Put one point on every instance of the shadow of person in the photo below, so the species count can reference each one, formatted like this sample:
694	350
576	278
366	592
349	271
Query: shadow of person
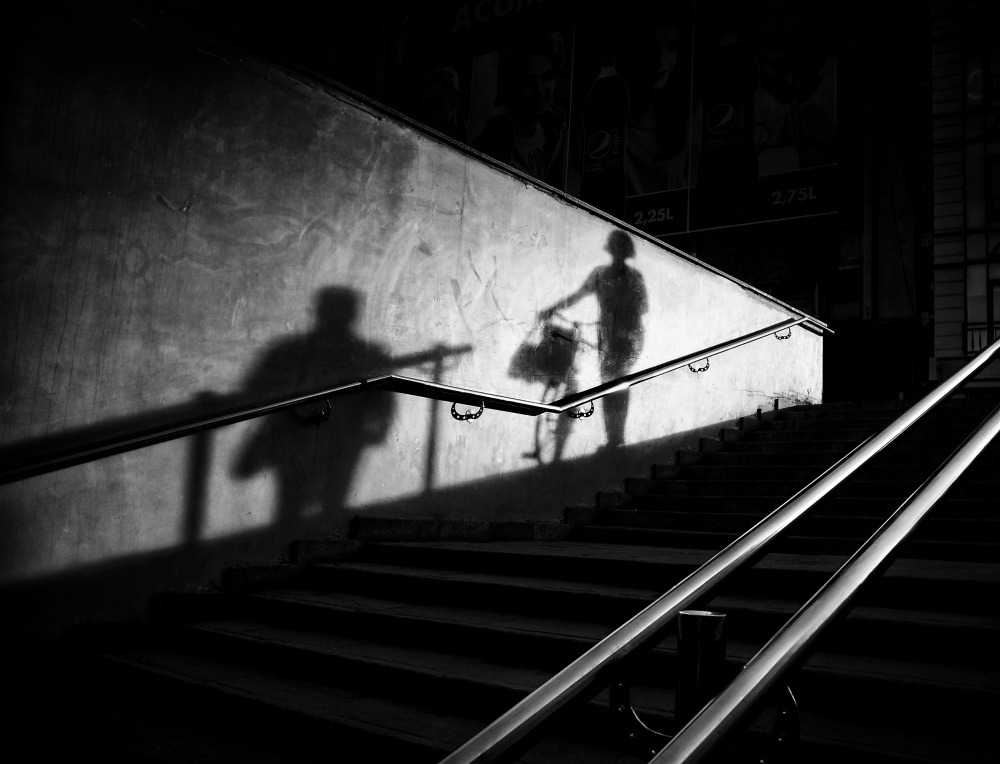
314	458
621	303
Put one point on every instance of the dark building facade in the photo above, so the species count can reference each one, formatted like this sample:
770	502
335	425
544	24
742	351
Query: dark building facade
802	148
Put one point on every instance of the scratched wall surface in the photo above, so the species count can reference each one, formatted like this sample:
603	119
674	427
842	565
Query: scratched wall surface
186	229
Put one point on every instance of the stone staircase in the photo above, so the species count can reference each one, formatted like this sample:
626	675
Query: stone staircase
402	642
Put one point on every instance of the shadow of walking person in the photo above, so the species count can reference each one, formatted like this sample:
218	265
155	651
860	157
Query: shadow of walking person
314	464
621	302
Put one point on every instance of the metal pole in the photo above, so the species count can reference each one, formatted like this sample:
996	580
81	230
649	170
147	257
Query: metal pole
701	658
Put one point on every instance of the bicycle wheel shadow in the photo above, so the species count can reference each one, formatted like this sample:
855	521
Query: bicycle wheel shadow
548	355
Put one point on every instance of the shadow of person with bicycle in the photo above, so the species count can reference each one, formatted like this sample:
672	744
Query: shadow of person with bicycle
621	303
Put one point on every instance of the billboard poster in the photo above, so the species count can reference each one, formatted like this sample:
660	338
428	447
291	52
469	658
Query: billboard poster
714	114
427	72
494	75
633	91
766	69
519	110
674	116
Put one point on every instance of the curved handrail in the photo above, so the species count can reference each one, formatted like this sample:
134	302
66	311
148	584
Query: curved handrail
586	672
530	408
790	644
391	382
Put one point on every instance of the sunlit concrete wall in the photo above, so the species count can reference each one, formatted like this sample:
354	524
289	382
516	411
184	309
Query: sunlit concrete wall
187	229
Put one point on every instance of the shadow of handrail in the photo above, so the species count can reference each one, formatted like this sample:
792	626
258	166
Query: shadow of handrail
392	382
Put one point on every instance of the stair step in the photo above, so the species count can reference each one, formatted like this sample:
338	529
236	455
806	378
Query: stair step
392	648
431	675
842	505
934	425
779	442
887	409
378	670
875	740
908	472
811	422
120	729
802	474
932	548
370	725
816	435
363	727
279	712
456	679
543	640
898	455
599	584
538	639
983	529
818	460
690	539
534	595
965	489
403	641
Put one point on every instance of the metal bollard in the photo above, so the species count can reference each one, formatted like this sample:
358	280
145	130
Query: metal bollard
701	657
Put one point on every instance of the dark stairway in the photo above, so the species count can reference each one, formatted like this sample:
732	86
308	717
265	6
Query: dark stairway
402	643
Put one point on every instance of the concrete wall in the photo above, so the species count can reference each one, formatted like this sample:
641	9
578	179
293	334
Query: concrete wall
187	229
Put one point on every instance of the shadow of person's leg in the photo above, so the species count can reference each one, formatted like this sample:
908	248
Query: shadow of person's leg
615	413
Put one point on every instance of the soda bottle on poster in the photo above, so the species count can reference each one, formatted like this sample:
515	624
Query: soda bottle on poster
605	118
727	169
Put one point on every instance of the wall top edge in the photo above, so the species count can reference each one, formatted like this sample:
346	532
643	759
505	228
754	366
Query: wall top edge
318	82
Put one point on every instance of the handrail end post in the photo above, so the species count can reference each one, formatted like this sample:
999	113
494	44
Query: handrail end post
701	658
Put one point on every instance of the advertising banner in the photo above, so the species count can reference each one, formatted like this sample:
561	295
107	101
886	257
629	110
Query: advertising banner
494	75
672	116
721	113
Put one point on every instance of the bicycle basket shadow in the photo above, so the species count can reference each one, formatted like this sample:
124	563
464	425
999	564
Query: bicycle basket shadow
546	353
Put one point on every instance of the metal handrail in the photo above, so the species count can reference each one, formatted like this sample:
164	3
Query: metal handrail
791	643
588	671
391	382
530	408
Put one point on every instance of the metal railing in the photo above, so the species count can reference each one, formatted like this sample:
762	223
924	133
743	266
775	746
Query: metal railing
791	643
590	671
15	471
